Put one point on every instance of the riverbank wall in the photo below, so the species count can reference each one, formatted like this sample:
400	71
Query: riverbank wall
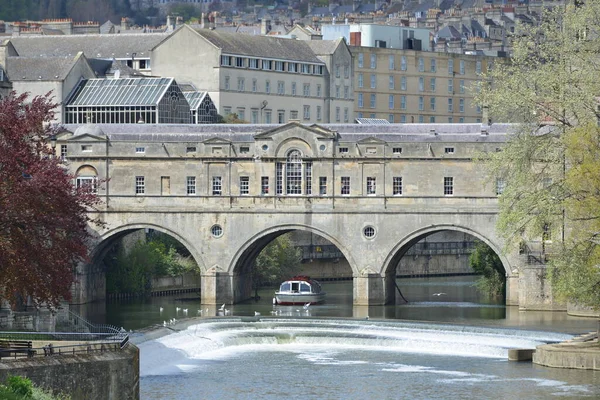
104	375
571	355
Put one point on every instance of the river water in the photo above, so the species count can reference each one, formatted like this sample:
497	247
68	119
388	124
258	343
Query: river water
450	346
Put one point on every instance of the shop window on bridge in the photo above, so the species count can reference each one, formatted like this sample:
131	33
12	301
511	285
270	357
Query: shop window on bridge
295	175
87	177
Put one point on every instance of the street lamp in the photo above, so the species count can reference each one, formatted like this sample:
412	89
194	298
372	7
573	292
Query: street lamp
53	144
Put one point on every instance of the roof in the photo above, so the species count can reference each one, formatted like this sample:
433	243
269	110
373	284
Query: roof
195	98
261	46
94	46
117	92
39	69
322	47
244	133
372	121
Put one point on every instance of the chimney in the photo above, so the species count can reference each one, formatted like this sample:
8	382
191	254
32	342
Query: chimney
124	25
265	26
204	23
169	22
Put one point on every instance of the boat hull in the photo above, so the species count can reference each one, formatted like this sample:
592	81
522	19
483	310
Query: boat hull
285	299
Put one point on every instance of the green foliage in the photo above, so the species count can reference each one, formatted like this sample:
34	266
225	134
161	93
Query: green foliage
276	262
230	119
20	386
551	165
185	11
486	262
132	271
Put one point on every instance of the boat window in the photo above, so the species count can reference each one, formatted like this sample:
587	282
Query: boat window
285	287
295	287
304	287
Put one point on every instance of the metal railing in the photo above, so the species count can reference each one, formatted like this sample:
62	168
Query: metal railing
77	324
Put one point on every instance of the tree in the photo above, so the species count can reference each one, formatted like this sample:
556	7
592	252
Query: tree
551	164
275	262
43	218
488	265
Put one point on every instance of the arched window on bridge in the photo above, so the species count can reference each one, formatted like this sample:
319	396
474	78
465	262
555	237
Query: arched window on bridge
294	177
87	176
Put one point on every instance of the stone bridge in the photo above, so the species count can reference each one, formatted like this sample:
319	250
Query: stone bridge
226	191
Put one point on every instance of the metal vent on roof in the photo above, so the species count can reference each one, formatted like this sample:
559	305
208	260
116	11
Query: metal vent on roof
372	121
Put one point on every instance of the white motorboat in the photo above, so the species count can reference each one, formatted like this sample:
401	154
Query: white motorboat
299	290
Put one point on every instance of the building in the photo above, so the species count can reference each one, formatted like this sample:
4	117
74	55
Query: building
384	36
261	79
408	86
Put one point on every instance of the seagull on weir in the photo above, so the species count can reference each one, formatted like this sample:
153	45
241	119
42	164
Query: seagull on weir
306	306
160	309
256	313
439	294
164	323
199	312
177	309
222	307
227	312
185	310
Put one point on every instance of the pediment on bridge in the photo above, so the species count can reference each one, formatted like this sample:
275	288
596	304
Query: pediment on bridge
295	128
372	140
217	140
87	137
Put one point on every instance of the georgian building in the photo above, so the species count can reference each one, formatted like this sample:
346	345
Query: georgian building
262	79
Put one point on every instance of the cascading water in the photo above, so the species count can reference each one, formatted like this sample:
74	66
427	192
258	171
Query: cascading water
273	357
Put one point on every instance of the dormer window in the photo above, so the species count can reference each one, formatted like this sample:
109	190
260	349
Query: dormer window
140	150
449	150
397	150
343	150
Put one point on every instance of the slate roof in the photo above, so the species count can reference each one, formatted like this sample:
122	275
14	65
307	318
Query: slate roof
449	32
94	46
392	133
39	69
261	46
323	47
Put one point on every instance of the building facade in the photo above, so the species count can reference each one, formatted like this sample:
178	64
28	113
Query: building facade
408	86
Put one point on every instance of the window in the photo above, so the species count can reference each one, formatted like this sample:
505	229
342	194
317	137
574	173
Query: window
226	110
308	177
402	83
397	186
226	60
432	103
191	185
244	185
461	120
461	86
448	186
450	67
461	67
500	185
292	67
322	185
421	103
373	81
140	150
371	185
360	100
293	173
306	89
346	91
450	105
391	62
421	84
226	84
268	86
403	102
190	149
391	102
403	63
337	114
280	117
451	86
421	63
337	91
86	148
450	120
478	67
346	71
244	149
343	150
372	100
254	85
402	119
140	185
433	66
293	114
360	60
90	182
432	84
305	68
239	62
337	70
432	119
268	117
391	82
373	61
360	80
280	87
391	118
254	63
63	152
320	92
217	186
461	105
266	65
318	113
397	150
306	112
421	119
278	65
293	88
254	116
241	86
449	150
345	186
264	185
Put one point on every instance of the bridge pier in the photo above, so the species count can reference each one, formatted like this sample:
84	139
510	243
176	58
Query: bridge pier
216	288
535	290
370	290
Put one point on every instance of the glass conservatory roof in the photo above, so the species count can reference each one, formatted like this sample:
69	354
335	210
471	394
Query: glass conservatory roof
120	92
194	98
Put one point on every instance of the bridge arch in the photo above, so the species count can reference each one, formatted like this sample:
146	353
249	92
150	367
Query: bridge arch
242	261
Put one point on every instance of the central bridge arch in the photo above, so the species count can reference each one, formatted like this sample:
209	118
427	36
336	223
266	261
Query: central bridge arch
242	261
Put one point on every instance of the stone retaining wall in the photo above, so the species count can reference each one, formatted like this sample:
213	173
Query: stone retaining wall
569	355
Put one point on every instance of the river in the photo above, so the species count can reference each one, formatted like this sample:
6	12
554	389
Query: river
450	346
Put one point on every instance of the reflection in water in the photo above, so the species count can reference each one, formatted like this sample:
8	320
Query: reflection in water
461	304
